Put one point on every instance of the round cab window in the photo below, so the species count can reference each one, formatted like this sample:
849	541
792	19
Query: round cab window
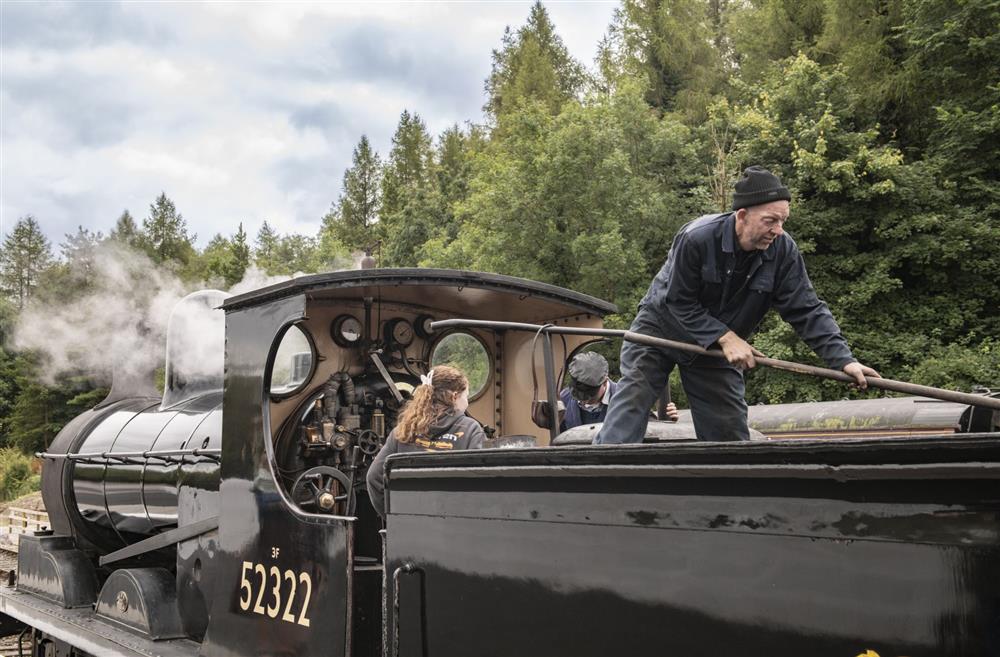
467	353
293	362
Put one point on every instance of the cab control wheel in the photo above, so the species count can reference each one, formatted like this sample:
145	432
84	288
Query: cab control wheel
324	489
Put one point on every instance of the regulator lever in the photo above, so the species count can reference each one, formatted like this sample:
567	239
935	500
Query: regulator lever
388	379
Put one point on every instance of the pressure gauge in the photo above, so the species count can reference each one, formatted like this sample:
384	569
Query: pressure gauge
422	325
346	331
399	332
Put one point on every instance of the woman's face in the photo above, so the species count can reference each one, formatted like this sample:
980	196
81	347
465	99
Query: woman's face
462	401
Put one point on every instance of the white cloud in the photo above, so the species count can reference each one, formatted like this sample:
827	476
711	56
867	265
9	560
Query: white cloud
238	111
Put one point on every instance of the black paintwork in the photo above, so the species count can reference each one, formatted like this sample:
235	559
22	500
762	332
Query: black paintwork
256	519
142	599
701	550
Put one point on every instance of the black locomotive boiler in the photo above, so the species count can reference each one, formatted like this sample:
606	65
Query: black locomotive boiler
228	517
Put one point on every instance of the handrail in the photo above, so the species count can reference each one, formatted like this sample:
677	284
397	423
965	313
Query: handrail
788	366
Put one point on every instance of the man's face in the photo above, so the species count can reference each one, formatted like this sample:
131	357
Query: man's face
594	401
759	225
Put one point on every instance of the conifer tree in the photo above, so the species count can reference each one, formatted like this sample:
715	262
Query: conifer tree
125	231
532	64
410	205
164	233
24	256
676	46
352	218
264	245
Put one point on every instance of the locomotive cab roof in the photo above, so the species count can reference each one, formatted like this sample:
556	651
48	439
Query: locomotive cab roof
460	293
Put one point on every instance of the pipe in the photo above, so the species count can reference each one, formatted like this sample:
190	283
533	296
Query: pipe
788	366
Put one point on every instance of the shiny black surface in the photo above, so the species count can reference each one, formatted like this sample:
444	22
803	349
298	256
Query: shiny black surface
257	526
601	551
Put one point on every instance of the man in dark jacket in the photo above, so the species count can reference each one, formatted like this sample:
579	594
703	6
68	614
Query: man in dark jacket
590	391
722	274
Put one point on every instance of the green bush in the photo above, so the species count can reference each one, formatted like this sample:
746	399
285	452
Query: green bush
16	476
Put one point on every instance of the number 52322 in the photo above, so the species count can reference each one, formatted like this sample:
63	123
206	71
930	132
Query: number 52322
272	586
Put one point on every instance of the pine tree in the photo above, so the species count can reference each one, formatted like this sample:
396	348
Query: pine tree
24	256
125	231
352	218
239	250
410	205
532	64
264	245
164	233
676	46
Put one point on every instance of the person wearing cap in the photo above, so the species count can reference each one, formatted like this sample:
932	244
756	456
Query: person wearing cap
590	390
721	276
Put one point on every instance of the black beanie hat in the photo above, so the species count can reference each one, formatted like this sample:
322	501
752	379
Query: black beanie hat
758	185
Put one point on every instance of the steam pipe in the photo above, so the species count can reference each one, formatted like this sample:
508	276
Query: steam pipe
788	366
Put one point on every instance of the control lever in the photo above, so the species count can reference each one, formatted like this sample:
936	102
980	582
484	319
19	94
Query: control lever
388	379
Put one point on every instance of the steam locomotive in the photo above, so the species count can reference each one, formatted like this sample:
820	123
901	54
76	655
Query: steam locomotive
228	516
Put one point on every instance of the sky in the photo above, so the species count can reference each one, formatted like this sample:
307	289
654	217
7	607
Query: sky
238	111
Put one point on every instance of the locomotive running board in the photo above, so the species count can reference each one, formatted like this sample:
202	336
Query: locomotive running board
82	629
163	540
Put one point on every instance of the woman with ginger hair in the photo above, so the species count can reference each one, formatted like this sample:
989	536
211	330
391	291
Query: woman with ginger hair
434	420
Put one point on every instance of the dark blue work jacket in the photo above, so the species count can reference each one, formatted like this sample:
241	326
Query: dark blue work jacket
575	415
692	295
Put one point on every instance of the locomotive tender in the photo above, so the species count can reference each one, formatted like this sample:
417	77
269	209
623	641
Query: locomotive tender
229	517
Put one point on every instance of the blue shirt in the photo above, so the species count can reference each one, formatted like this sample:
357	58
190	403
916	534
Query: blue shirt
692	293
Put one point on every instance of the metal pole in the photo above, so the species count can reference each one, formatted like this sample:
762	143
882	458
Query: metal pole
825	373
550	386
798	368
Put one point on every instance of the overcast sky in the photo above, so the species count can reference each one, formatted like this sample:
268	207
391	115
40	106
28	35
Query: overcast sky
239	111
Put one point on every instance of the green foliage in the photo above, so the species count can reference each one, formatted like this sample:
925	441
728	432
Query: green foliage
582	199
17	476
532	66
224	260
24	256
164	235
351	221
125	231
676	46
467	354
411	204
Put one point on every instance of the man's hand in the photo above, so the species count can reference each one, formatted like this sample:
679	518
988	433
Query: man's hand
859	372
737	350
672	414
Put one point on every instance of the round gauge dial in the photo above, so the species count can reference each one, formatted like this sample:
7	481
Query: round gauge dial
399	332
423	326
347	331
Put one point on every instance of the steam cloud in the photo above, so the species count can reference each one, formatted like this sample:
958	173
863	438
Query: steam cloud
119	326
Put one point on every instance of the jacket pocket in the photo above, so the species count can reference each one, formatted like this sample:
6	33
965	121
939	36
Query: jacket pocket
763	283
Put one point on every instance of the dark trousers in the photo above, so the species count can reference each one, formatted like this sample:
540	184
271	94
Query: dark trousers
716	394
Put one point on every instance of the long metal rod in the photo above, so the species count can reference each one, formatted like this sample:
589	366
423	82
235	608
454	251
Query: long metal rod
788	366
163	453
550	386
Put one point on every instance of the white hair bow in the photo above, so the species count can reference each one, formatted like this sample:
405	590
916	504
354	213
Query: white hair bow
427	379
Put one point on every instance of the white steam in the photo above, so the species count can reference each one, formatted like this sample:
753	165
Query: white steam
119	325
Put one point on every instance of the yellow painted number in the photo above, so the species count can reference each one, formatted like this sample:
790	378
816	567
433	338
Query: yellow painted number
273	578
245	586
307	581
273	611
258	608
